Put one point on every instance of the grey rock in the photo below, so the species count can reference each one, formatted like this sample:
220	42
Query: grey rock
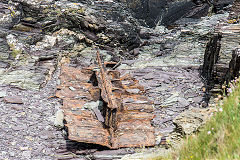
47	135
182	102
13	99
59	119
12	154
23	79
189	121
92	105
72	88
3	93
135	91
17	107
9	14
171	100
98	114
26	154
20	127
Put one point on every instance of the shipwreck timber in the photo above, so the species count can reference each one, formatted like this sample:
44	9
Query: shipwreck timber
105	108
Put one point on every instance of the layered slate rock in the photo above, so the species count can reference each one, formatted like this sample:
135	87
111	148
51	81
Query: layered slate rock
101	107
221	58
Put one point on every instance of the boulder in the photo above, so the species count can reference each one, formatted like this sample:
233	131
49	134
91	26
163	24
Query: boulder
190	120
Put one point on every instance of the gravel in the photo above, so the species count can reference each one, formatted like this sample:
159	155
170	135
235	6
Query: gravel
27	131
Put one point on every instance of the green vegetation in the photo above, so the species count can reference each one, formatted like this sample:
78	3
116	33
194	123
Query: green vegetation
220	137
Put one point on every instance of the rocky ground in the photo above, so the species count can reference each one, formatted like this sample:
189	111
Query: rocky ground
37	37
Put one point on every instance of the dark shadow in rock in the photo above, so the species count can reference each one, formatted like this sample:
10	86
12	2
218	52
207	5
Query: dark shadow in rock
80	147
75	146
221	5
176	11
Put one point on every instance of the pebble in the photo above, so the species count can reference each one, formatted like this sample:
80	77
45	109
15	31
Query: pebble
3	153
12	154
27	154
13	143
29	138
13	99
17	107
3	94
135	91
23	148
72	88
59	119
183	102
19	127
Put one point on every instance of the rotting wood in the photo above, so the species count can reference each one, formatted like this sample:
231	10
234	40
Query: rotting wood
234	66
102	110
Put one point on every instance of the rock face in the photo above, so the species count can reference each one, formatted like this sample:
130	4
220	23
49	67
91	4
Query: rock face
10	15
36	32
166	12
155	12
41	39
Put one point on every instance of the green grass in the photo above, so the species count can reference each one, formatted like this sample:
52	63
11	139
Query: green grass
219	138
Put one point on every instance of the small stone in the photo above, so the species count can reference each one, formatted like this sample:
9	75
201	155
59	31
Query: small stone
136	51
23	28
48	151
171	100
17	107
29	138
50	135
23	148
13	99
59	119
3	153
13	143
27	154
92	104
72	88
183	102
98	114
44	137
18	128
135	91
30	20
12	154
64	132
3	94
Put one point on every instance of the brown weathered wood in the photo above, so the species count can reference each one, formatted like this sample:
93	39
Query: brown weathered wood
106	86
124	120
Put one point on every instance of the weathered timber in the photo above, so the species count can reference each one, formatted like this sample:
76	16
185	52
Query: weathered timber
221	59
211	56
103	110
234	66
